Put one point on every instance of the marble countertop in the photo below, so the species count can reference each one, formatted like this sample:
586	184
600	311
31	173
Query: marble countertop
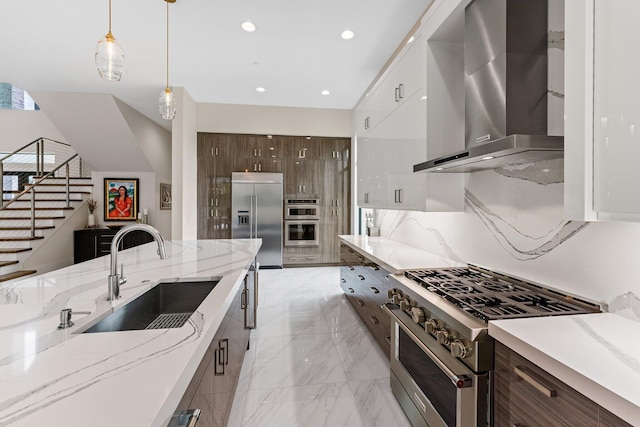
596	354
56	377
396	257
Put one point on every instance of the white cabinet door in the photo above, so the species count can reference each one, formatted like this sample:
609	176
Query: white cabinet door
390	89
369	113
616	108
413	71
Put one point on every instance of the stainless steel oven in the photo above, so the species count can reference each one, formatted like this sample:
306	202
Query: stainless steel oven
302	232
434	388
295	208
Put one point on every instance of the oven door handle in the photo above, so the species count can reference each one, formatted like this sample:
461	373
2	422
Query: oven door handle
460	381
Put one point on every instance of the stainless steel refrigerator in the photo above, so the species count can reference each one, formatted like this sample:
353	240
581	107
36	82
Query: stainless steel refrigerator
256	209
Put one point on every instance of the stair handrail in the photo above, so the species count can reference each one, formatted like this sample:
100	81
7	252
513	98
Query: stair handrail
39	142
32	189
30	143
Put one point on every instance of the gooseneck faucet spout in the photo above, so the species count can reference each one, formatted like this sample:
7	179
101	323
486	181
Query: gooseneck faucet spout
115	279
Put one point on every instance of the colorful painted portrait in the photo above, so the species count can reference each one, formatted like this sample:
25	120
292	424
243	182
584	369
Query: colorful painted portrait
121	199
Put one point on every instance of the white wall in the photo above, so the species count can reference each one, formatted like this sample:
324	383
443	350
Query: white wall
19	127
254	119
184	137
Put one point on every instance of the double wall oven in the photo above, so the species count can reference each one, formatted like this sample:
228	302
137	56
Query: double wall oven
441	353
301	221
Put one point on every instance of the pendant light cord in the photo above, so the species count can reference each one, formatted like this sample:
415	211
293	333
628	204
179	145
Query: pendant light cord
167	44
109	16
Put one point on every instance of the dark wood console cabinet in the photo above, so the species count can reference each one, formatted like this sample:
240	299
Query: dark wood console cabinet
92	243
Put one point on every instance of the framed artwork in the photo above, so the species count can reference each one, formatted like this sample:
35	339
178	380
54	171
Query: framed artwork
165	196
121	199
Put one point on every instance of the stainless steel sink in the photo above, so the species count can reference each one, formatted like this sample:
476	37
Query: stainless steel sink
169	304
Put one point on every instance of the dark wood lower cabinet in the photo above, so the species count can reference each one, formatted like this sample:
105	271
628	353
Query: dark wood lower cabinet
366	286
92	243
214	384
527	396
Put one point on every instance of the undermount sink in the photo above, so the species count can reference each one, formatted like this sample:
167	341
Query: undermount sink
169	304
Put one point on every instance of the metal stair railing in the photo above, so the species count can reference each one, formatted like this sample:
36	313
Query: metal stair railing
21	159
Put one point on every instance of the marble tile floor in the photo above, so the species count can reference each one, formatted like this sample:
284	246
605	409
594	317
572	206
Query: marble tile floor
311	361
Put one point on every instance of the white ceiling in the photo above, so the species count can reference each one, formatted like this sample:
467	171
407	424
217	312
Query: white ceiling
295	53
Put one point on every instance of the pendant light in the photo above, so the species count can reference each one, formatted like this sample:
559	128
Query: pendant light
167	101
109	56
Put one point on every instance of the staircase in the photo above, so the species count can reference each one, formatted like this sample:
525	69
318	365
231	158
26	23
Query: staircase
24	225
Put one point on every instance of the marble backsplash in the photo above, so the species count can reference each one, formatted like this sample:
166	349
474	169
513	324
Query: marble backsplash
514	224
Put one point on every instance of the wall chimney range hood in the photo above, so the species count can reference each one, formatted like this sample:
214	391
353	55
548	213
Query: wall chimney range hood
506	66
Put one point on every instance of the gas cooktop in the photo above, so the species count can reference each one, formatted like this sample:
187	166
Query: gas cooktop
490	296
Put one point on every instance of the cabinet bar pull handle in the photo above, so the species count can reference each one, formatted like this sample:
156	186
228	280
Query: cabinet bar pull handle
217	357
388	339
351	290
343	280
400	195
374	319
538	386
401	91
396	94
351	268
361	303
375	290
360	276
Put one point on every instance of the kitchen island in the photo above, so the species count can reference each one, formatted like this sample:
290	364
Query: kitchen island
58	377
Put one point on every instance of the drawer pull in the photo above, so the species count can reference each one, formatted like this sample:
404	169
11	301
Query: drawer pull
351	290
388	339
541	388
360	276
374	319
375	290
343	280
361	303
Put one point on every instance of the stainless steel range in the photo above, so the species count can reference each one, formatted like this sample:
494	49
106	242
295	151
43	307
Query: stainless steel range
441	353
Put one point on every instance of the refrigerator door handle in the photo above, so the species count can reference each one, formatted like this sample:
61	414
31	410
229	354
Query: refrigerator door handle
255	222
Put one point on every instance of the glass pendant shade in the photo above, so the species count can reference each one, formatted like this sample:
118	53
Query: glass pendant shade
167	104
109	58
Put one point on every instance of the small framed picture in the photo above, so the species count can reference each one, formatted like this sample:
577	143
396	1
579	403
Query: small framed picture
121	199
165	196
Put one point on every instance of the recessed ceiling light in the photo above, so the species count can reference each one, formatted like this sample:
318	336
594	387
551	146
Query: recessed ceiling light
347	34
325	92
260	89
248	26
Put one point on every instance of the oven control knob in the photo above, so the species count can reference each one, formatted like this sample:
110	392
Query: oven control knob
396	299
405	304
391	293
458	349
431	326
443	336
417	314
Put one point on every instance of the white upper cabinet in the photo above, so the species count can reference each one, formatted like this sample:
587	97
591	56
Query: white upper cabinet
602	140
422	105
369	114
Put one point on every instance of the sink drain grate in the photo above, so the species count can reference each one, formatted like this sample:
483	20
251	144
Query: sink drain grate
171	320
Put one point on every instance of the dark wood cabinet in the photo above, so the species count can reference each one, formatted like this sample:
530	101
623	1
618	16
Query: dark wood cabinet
527	396
214	383
312	167
366	286
92	243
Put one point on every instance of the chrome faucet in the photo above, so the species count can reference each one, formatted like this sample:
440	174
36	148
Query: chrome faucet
115	279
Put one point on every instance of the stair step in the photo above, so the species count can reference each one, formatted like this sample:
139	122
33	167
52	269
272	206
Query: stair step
16	274
13	250
41	227
15	218
7	263
54	184
38	209
20	239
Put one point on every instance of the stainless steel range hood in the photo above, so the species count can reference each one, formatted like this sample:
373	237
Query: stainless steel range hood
506	66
